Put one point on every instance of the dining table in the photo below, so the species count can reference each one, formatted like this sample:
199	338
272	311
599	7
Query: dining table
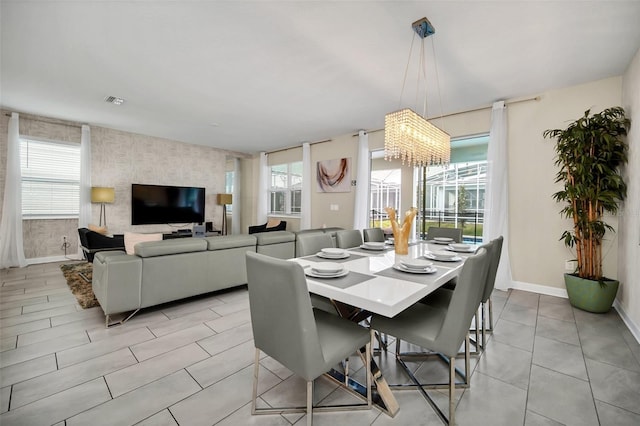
373	280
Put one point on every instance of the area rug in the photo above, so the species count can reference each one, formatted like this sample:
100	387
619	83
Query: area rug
80	287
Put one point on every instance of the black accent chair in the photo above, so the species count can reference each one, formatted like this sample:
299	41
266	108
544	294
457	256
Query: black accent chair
282	226
92	242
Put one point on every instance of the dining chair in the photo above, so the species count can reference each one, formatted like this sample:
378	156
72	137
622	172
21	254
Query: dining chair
348	238
442	296
373	234
308	244
286	328
453	233
441	330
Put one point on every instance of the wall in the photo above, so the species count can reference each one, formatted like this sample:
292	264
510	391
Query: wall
629	228
118	160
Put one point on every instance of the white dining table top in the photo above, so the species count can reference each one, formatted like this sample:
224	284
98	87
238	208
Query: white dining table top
384	295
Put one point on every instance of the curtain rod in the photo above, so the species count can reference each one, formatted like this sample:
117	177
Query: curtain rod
297	146
47	120
517	101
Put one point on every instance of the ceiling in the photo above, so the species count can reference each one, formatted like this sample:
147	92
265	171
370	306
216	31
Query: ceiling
249	76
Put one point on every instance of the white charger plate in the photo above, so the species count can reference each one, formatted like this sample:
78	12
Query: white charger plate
333	256
402	268
443	259
365	247
309	272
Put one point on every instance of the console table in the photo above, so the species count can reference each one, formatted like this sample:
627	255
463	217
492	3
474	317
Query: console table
173	235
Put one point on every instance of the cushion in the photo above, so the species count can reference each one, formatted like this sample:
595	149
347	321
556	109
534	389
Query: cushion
99	229
272	223
132	238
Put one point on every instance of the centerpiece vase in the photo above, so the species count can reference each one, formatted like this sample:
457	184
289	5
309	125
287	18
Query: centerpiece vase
401	232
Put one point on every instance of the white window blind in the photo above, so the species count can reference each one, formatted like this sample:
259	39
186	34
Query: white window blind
285	190
50	178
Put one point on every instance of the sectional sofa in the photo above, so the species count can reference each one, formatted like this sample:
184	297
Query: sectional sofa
168	270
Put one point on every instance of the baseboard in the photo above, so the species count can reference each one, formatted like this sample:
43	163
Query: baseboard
633	327
51	259
540	289
561	292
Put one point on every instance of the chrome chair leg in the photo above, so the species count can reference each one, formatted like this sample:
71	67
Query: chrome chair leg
452	391
310	403
256	369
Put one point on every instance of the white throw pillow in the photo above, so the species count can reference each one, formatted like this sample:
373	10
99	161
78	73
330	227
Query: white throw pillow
132	238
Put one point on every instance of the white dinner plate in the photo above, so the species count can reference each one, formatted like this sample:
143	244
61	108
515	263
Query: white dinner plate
327	268
416	263
468	249
442	259
402	268
366	247
331	251
443	240
309	272
333	256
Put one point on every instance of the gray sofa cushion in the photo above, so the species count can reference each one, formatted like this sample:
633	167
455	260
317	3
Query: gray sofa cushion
166	247
274	237
230	241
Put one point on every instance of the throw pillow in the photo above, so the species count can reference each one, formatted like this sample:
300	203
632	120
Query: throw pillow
132	238
99	229
272	223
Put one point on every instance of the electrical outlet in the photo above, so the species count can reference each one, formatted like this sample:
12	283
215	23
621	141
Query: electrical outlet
569	265
64	238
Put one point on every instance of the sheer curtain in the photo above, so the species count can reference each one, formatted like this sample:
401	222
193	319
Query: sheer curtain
262	209
84	212
305	209
496	211
237	205
11	244
361	209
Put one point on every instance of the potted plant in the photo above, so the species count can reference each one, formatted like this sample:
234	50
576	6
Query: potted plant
590	152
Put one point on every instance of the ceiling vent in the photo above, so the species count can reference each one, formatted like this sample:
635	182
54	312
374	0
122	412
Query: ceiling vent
114	100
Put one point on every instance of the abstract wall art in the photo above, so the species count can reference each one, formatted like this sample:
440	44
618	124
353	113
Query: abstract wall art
334	175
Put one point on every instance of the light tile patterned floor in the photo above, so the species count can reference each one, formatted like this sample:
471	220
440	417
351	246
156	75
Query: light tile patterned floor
189	363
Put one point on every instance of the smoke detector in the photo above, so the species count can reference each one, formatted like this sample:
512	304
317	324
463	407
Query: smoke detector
114	100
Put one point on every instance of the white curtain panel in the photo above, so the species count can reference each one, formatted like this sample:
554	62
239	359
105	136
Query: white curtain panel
262	209
84	212
11	244
237	203
305	213
496	212
361	209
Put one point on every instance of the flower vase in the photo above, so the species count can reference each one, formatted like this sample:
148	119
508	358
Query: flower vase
401	242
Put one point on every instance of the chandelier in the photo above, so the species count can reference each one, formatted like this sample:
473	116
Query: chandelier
408	135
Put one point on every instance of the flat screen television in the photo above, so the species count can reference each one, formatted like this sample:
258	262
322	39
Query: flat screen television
158	204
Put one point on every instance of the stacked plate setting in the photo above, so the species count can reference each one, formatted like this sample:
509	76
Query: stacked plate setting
373	245
333	253
443	256
461	248
326	270
415	266
443	240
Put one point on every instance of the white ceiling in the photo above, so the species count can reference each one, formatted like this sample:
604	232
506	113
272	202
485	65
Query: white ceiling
259	75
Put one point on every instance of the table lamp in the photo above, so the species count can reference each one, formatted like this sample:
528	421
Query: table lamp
224	199
102	195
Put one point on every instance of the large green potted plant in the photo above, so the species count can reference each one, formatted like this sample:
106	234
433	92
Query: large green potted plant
590	152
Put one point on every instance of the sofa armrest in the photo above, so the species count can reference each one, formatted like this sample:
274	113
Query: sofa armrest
117	280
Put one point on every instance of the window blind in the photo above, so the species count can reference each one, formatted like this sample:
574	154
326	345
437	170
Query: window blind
50	178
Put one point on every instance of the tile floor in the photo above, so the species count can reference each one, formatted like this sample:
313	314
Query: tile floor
189	363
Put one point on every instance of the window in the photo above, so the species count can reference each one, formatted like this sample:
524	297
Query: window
285	190
50	179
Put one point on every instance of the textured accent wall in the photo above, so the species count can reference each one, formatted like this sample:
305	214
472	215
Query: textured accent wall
118	159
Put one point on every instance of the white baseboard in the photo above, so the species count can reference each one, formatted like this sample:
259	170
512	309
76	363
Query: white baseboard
633	327
38	260
540	289
561	292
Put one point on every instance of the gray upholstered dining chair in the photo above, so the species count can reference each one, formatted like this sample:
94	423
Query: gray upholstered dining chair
286	328
442	296
373	234
453	233
348	238
441	329
308	244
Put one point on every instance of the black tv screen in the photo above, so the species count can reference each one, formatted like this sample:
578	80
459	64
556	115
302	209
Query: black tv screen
157	204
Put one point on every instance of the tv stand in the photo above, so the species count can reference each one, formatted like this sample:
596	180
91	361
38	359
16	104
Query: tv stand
188	234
